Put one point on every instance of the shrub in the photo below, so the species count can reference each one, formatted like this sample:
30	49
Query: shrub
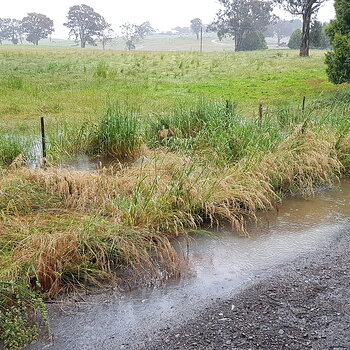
338	60
295	40
253	41
18	311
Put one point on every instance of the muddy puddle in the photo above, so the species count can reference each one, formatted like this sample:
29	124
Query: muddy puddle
79	163
219	266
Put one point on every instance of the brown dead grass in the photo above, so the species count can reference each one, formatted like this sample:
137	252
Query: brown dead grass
61	225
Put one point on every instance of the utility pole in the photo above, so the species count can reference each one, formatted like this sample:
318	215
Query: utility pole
201	44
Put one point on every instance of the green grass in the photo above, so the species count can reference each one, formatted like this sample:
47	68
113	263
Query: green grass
76	85
117	134
13	146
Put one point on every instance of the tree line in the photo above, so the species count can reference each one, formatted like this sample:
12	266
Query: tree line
85	25
243	20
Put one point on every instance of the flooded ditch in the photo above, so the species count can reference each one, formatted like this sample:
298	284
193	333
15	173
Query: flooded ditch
218	266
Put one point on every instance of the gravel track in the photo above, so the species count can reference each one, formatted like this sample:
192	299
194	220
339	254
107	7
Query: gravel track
302	305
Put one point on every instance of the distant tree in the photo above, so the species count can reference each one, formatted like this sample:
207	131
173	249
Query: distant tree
85	24
295	40
196	25
306	9
145	29
282	29
14	30
239	17
36	26
3	32
253	41
182	30
106	36
338	62
326	44
318	36
132	33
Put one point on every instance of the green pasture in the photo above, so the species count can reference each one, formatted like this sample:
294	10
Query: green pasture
74	84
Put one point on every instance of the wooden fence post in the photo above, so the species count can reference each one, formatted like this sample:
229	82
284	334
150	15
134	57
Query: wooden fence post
43	139
260	113
303	105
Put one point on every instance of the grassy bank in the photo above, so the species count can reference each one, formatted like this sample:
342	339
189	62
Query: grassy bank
200	163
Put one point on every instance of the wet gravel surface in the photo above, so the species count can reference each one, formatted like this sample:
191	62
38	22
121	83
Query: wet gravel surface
302	305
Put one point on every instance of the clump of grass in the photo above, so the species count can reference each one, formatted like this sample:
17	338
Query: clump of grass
288	116
79	249
102	70
118	134
343	151
66	140
301	162
15	82
180	129
12	146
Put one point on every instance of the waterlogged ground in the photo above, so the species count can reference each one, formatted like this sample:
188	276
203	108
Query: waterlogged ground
305	305
196	312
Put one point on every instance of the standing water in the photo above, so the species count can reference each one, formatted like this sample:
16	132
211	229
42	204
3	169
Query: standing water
219	266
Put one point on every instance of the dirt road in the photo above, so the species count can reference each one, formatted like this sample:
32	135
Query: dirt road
304	305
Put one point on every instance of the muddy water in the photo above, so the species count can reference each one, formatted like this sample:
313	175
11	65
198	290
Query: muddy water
79	163
219	266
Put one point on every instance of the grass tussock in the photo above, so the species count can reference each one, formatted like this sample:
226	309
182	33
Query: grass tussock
301	162
11	147
117	135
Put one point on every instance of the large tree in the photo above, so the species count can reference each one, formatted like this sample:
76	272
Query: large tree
238	17
85	24
307	9
37	26
14	30
338	60
196	26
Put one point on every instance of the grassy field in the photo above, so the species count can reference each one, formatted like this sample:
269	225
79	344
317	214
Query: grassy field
188	147
74	85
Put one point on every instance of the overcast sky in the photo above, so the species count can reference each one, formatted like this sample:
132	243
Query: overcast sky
163	14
